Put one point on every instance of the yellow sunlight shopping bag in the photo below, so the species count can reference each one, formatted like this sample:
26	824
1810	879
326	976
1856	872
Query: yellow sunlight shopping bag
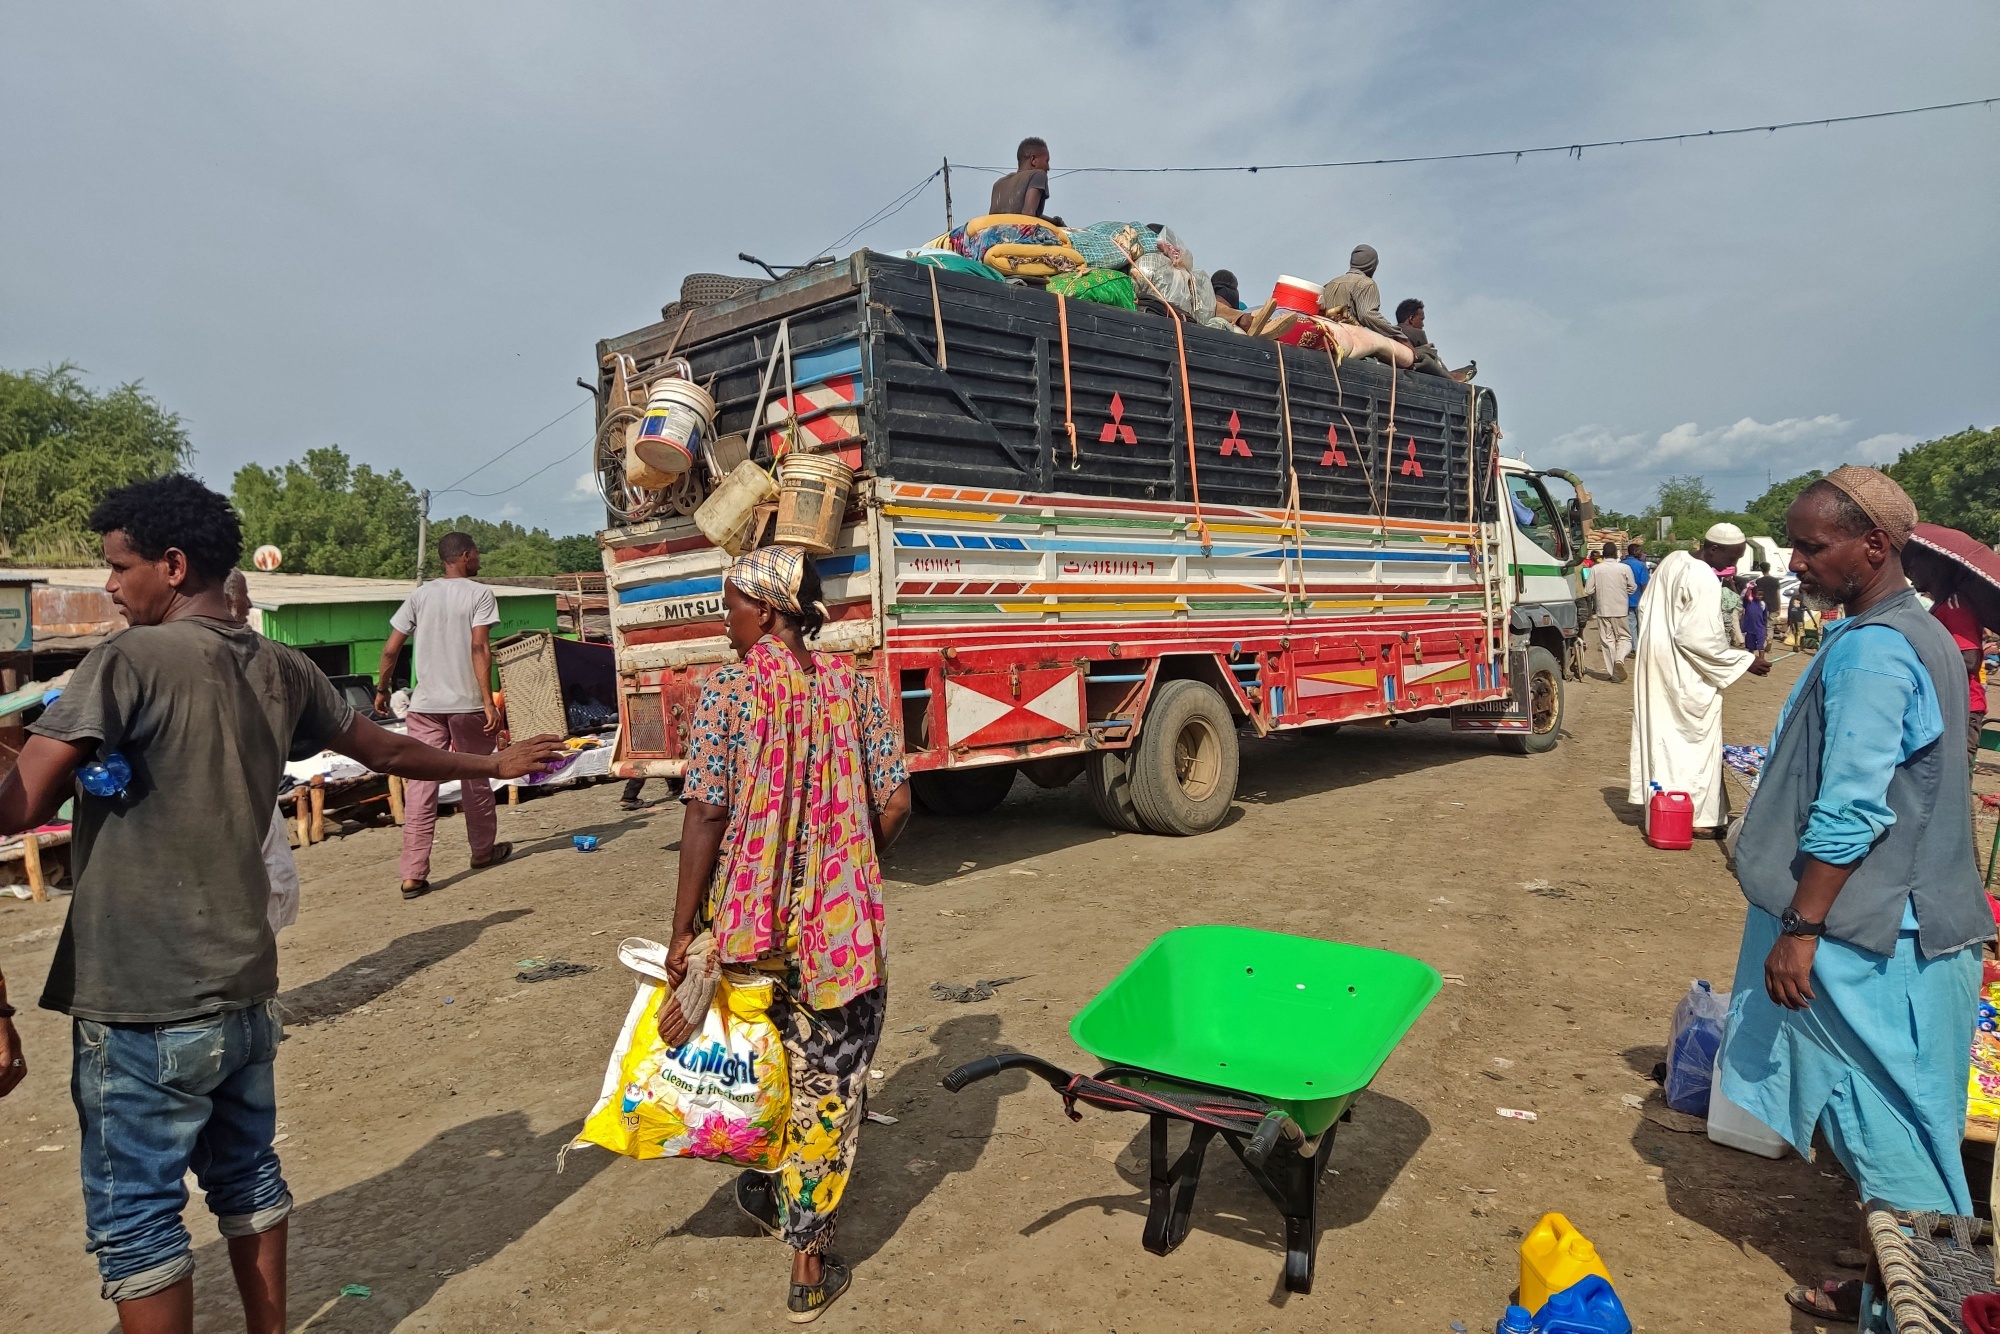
723	1094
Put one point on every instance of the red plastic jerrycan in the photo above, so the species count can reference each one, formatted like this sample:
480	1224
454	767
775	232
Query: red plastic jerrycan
1670	821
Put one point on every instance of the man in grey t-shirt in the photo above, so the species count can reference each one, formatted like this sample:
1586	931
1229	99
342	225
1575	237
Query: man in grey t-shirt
167	963
452	709
1025	190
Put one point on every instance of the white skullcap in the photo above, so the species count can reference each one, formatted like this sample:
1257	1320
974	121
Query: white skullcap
1725	535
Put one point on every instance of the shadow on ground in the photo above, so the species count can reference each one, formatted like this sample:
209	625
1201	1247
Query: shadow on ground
372	975
1369	1153
897	1167
448	1207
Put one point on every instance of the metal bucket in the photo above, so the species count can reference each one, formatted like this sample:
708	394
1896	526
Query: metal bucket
812	501
725	518
679	413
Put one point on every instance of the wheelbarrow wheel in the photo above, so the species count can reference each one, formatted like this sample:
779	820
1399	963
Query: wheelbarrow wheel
962	791
1108	779
1184	765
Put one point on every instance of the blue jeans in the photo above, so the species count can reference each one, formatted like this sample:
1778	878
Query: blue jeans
1632	623
156	1100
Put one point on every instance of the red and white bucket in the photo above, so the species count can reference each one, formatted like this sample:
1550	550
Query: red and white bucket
1296	294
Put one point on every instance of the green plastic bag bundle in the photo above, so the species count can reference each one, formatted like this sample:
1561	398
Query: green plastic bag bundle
1106	287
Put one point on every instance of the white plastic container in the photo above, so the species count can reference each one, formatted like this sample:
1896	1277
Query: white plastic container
1730	1125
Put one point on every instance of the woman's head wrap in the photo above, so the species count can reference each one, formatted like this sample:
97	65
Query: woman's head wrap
771	575
1877	495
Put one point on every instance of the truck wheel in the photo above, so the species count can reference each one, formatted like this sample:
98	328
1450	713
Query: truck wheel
1108	779
962	791
1545	706
1184	766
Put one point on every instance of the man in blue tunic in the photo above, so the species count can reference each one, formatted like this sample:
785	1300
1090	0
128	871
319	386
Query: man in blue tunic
1857	984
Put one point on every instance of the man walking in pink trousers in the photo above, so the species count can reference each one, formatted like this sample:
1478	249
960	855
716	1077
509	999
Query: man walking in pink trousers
452	708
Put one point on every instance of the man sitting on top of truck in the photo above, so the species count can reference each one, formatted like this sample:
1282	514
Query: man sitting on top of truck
1410	325
1355	293
1025	190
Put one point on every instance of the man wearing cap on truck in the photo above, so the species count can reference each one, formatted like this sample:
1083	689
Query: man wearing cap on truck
1681	665
1857	982
1355	293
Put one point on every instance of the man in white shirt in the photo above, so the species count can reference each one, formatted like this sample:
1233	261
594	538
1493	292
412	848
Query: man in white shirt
1612	586
452	707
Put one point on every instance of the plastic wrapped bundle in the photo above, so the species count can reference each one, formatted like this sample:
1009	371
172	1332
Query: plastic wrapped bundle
1111	245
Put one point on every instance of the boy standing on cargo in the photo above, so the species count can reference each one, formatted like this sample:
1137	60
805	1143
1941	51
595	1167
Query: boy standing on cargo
452	709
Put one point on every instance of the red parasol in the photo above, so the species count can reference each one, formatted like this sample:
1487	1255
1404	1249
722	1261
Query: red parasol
1979	563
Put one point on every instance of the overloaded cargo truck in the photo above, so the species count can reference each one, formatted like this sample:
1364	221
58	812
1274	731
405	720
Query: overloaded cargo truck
1094	543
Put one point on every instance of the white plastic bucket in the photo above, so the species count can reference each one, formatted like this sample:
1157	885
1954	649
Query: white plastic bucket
678	414
725	517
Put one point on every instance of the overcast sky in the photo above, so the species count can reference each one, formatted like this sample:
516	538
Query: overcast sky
402	227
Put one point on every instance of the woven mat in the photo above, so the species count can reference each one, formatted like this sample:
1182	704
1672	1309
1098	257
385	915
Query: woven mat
1930	1264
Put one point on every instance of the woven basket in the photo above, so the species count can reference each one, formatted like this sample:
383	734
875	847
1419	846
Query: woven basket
528	676
1930	1264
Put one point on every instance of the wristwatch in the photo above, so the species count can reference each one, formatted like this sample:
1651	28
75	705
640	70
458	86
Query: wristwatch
1792	924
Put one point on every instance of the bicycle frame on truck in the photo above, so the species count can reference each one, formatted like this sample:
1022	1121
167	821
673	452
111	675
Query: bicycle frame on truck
1093	539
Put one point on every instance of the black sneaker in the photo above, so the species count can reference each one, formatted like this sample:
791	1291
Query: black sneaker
809	1301
755	1198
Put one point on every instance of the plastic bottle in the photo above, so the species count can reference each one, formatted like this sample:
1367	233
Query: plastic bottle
108	777
1589	1307
1555	1256
1516	1321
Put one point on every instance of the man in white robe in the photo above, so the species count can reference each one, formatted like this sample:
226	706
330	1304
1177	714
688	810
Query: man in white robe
1680	667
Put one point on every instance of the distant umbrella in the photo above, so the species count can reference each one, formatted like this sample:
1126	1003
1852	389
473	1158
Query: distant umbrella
1977	563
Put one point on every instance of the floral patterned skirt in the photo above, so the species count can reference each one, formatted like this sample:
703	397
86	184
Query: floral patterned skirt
829	1052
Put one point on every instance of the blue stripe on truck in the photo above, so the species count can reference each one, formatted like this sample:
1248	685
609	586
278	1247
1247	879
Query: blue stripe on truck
829	566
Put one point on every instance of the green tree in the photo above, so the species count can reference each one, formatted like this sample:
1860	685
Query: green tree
1769	508
1688	500
506	548
1955	481
62	446
330	516
579	551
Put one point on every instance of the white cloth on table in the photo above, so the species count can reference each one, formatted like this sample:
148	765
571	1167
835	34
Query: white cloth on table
1680	667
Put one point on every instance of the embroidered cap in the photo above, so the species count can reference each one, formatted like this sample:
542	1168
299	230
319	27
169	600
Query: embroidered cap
1887	505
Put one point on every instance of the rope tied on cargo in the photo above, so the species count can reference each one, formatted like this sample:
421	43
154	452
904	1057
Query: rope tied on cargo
1389	457
1294	521
1187	410
1069	412
1360	452
937	319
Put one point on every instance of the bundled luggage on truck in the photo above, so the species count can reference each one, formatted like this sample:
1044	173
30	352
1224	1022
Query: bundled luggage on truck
1087	542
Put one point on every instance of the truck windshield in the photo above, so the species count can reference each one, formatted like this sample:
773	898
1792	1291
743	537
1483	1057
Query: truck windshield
1533	513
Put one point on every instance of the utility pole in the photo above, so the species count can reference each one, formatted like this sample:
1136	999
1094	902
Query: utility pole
423	528
947	195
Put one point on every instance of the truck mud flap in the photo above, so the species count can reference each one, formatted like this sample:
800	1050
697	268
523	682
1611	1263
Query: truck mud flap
1510	713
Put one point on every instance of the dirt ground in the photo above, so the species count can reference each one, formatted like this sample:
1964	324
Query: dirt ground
425	1091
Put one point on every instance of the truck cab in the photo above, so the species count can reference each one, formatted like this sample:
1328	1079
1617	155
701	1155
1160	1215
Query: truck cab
1542	549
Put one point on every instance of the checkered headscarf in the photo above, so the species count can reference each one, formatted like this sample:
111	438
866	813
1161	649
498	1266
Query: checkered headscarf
771	575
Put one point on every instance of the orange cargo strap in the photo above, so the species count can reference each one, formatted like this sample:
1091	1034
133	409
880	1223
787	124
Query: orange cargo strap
1292	515
1069	413
1187	410
1353	438
937	319
1388	459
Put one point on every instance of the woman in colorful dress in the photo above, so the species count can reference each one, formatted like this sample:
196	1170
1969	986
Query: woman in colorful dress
794	781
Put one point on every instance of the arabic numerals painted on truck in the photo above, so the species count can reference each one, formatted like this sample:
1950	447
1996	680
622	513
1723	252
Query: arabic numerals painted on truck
936	565
1114	567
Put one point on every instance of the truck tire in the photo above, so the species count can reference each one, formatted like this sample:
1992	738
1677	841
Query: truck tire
962	791
1184	765
1108	779
1545	706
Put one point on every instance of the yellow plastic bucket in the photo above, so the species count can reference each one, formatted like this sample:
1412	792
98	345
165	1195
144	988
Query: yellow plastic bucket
725	517
679	413
812	501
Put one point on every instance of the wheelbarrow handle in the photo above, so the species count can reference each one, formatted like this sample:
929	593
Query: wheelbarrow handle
988	1066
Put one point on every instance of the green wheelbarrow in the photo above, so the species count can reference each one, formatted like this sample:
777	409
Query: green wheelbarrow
1262	1038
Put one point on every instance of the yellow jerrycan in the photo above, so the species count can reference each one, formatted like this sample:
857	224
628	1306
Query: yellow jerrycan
1555	1256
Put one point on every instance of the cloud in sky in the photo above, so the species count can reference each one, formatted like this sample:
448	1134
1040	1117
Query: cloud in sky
403	228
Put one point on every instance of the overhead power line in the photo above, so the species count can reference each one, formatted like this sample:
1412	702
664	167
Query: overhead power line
884	213
1575	150
445	491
